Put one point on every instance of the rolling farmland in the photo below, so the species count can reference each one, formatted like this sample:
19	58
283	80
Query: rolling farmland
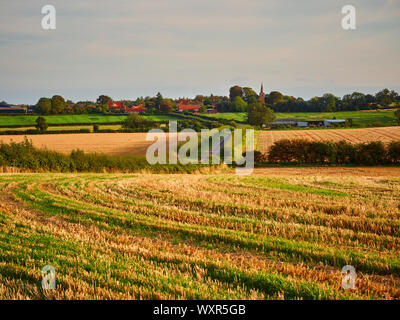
219	236
387	134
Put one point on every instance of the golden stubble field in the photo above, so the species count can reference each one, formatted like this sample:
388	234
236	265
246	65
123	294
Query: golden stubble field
108	143
136	144
282	233
386	134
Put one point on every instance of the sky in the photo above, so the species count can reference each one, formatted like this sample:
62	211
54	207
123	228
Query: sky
181	48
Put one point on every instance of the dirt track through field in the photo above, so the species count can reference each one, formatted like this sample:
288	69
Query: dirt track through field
386	134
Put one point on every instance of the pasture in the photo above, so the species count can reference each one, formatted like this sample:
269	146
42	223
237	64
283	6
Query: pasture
282	233
361	119
28	121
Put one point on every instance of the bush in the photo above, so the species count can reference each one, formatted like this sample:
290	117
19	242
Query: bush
41	124
394	151
342	152
2	161
23	155
259	157
372	153
345	152
33	131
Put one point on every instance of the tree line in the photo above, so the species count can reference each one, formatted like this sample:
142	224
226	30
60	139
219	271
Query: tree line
239	100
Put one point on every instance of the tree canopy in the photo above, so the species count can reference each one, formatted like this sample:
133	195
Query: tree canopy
234	92
259	114
41	124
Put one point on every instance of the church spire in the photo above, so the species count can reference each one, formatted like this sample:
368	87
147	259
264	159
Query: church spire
261	96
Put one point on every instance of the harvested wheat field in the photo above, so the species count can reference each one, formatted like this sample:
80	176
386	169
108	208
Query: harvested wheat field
108	143
272	235
386	134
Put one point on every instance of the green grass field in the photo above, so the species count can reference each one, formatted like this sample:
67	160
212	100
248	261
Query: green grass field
374	118
360	118
66	128
28	121
218	236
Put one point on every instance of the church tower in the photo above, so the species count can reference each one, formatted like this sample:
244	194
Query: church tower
261	96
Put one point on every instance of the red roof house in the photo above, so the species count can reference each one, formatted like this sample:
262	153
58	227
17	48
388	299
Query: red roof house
188	105
120	106
136	109
116	105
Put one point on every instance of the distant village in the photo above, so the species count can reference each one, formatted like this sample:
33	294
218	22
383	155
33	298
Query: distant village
212	106
185	105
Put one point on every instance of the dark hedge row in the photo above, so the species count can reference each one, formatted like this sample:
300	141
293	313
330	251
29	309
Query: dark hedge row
24	156
65	124
335	153
34	131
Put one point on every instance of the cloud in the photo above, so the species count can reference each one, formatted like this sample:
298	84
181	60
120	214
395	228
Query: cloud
131	48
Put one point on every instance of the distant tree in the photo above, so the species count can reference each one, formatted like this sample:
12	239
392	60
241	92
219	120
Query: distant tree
358	100
349	123
239	105
369	98
150	104
101	108
330	102
203	109
249	95
383	98
135	121
393	96
166	105
3	102
397	115
44	106
224	105
259	115
234	92
41	124
274	97
159	99
200	99
103	99
139	101
57	104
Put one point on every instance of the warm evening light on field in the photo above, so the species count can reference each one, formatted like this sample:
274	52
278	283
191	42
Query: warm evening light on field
191	159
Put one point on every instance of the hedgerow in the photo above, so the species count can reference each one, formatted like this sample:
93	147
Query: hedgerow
24	155
334	153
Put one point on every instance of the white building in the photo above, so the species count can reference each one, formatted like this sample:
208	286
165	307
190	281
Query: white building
336	122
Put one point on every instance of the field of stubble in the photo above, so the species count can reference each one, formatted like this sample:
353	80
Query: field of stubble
386	135
278	234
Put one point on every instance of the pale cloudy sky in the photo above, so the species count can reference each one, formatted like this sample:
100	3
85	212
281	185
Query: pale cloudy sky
136	48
